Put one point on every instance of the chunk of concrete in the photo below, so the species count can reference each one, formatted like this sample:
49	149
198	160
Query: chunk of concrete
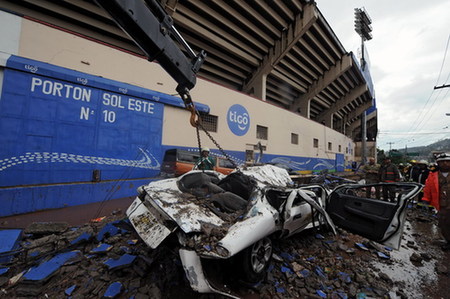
46	228
108	230
69	290
124	261
113	290
46	269
101	248
9	241
84	237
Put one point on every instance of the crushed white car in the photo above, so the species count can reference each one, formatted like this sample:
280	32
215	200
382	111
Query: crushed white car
237	216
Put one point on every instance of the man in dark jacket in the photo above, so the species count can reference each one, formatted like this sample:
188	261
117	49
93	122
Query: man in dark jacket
389	174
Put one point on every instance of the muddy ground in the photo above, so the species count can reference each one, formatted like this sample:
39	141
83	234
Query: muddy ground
313	264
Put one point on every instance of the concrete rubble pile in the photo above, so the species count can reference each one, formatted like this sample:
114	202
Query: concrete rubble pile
106	259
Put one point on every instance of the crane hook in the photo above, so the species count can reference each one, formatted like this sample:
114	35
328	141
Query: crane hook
195	116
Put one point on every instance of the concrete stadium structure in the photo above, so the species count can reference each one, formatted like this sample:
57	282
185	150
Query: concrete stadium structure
88	119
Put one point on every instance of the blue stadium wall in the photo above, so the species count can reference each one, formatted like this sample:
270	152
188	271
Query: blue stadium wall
69	138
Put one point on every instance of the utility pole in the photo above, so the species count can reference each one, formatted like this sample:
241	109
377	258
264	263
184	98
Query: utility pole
390	147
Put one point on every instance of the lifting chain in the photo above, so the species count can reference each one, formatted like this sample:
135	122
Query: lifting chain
199	124
196	122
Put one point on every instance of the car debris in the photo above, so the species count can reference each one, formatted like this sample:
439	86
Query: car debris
159	273
237	216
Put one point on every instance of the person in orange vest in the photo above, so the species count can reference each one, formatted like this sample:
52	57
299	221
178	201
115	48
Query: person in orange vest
437	193
389	174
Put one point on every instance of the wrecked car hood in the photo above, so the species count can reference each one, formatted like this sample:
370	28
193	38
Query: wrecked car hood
269	175
186	210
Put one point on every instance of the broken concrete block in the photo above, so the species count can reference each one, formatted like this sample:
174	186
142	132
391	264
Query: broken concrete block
279	288
9	241
320	236
286	270
69	290
361	246
124	261
113	290
415	258
46	228
319	271
108	230
101	248
287	257
382	255
132	242
84	237
48	268
13	280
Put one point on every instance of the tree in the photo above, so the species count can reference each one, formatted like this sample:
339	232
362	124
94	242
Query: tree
380	155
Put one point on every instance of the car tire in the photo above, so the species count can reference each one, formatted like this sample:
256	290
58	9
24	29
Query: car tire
256	259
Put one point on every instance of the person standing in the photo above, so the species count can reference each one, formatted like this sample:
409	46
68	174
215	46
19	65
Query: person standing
423	171
437	193
421	177
205	162
389	174
372	176
414	171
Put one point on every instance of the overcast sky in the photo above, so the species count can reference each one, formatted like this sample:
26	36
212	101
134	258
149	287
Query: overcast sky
406	55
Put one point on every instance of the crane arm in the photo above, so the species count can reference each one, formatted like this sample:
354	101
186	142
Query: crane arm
151	28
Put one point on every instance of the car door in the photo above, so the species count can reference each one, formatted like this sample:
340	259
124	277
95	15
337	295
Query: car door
378	217
303	206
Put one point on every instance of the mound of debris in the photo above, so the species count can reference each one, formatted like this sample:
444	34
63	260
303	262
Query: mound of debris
105	258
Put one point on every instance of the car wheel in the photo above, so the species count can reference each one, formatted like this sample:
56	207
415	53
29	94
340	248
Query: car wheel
256	260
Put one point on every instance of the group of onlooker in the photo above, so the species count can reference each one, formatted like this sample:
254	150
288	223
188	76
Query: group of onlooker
435	177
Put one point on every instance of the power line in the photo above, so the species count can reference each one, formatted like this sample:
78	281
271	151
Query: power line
422	115
413	133
443	60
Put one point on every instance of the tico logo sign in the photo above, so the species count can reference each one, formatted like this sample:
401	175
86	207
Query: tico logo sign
238	120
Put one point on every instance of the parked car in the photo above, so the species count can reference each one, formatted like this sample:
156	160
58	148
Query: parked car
177	162
219	217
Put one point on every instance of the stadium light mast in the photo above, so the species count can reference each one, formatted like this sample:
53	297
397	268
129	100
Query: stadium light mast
363	28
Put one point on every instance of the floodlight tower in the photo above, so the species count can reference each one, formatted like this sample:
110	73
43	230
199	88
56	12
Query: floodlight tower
363	28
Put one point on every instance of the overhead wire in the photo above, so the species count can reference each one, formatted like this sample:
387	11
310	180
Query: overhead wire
420	120
443	62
